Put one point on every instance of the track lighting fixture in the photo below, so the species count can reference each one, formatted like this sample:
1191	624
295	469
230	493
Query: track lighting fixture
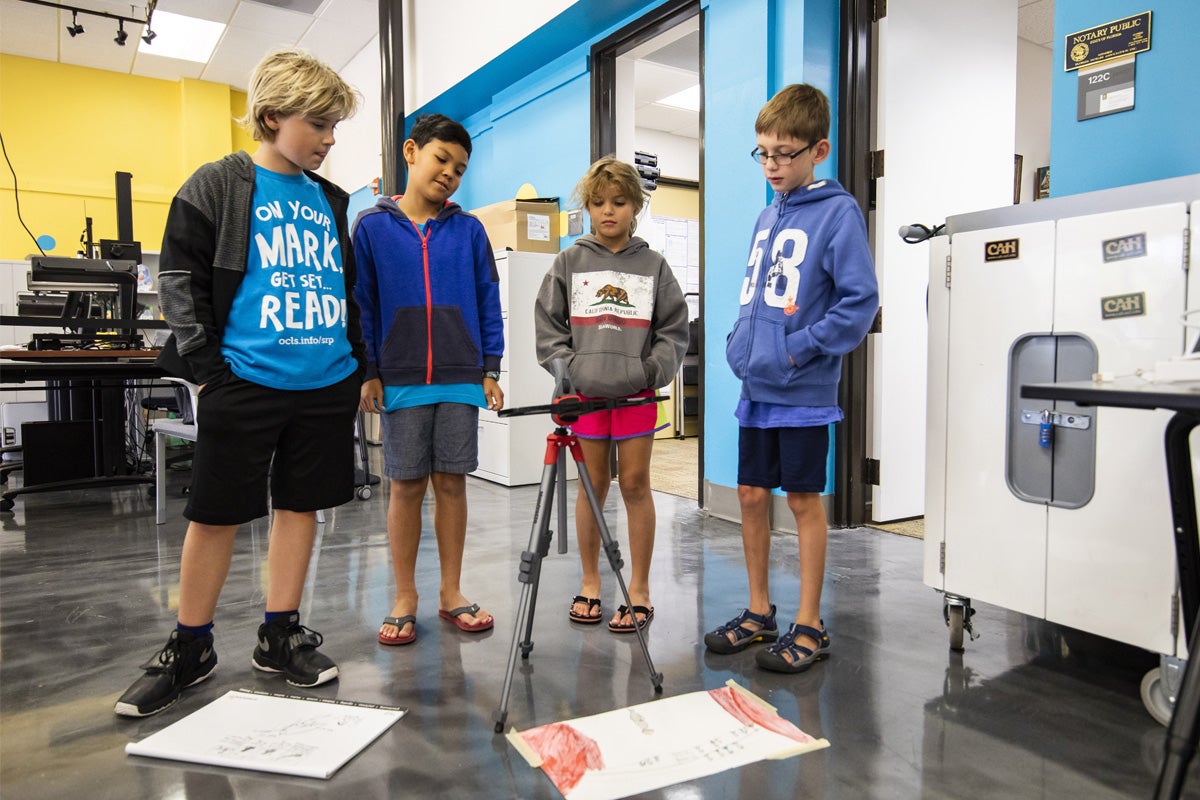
74	28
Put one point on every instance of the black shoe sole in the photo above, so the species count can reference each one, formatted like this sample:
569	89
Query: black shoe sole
129	710
321	679
721	645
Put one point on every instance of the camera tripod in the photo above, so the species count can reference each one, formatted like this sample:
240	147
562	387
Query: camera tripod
563	410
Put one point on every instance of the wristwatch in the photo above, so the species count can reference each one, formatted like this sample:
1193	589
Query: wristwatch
493	374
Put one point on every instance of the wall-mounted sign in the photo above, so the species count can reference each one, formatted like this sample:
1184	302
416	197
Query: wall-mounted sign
1106	88
1122	37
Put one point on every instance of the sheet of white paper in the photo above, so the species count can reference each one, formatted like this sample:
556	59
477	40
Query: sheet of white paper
305	736
648	746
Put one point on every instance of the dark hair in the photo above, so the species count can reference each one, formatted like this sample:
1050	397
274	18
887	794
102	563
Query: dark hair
439	126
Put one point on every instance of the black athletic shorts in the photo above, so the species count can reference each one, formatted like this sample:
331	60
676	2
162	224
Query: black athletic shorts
301	443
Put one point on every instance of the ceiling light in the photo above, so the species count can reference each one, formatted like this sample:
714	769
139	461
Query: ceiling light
74	28
121	34
148	36
187	38
688	99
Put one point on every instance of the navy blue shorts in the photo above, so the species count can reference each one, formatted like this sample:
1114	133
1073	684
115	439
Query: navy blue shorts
300	444
792	459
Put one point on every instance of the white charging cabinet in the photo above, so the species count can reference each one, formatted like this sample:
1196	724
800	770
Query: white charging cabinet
1075	529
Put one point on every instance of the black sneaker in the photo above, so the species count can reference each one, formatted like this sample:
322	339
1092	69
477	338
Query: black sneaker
291	648
183	662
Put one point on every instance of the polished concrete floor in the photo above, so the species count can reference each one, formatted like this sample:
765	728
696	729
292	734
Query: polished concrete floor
88	584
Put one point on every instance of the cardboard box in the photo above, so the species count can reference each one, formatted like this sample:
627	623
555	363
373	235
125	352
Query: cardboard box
530	225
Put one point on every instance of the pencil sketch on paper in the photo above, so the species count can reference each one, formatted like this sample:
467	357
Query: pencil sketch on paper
294	739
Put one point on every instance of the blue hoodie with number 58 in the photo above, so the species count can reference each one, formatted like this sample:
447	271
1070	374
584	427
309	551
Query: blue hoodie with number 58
808	298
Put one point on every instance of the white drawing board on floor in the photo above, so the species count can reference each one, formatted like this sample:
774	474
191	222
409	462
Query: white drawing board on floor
244	729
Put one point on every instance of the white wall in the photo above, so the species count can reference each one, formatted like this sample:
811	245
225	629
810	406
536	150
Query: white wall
1035	71
437	55
447	40
947	77
357	157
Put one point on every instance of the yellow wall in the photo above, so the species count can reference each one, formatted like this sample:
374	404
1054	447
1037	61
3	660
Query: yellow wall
675	201
67	130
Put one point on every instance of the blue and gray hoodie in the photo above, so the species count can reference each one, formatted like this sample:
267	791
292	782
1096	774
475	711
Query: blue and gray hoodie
808	298
430	299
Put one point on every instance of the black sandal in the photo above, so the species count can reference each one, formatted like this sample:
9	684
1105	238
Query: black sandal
622	610
585	619
767	631
801	658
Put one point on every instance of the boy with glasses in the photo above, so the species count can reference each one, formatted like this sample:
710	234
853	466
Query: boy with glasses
808	298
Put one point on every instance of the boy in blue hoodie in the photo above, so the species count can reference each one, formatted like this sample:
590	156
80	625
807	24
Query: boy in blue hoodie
430	299
808	298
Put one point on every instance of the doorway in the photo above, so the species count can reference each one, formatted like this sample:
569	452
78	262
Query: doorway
647	95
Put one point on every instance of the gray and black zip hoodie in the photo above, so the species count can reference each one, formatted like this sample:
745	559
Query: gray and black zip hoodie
618	320
203	260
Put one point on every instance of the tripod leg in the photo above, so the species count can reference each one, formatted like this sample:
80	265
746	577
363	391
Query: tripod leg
613	551
561	490
541	529
529	574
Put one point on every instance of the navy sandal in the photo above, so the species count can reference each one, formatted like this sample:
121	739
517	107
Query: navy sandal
799	657
718	641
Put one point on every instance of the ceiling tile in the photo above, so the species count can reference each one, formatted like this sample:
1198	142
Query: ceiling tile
212	10
237	54
29	30
337	39
1035	22
654	81
287	25
171	69
664	118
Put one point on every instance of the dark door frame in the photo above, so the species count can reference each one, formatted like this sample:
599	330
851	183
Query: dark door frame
851	497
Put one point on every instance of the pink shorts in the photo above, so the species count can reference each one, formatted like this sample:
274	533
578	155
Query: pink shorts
618	423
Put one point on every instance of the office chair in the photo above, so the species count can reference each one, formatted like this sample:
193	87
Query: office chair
163	428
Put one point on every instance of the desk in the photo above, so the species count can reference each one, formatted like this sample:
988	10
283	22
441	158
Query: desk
102	376
1183	398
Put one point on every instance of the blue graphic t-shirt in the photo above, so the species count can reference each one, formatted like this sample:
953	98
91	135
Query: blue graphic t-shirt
287	326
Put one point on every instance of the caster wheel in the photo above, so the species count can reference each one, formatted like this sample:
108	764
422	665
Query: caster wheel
1155	699
363	493
956	617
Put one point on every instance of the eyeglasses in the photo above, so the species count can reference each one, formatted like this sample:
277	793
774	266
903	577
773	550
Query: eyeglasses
780	159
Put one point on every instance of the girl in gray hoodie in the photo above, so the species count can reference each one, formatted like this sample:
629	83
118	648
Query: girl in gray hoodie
611	309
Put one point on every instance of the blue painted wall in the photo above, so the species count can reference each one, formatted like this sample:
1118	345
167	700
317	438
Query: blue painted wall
1153	141
752	49
736	84
529	115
